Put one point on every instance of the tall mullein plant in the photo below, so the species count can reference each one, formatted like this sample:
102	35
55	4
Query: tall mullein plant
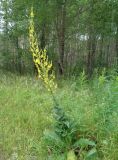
41	61
46	74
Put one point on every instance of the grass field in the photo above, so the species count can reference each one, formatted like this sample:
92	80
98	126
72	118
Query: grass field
26	112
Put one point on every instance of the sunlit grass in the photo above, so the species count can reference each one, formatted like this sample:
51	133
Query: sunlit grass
26	111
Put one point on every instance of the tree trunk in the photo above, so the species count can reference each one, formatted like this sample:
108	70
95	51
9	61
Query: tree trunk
61	15
117	48
100	57
91	42
19	63
42	39
91	54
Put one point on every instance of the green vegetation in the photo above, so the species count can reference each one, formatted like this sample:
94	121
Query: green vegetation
28	125
59	80
78	34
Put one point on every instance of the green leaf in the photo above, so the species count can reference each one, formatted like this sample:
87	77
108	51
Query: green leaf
91	153
82	142
51	136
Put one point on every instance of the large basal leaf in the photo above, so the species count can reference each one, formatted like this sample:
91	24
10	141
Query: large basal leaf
82	142
52	137
91	154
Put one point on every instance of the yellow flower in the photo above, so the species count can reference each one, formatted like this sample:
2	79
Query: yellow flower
32	13
40	58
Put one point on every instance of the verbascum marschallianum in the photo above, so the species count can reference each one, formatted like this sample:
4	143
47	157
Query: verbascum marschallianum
40	58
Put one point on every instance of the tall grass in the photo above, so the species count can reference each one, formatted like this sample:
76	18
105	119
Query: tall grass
25	113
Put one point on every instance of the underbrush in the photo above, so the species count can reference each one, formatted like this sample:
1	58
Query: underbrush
88	120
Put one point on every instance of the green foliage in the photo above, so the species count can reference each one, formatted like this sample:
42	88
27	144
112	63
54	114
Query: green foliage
88	120
64	127
102	78
63	135
82	79
63	138
83	143
85	22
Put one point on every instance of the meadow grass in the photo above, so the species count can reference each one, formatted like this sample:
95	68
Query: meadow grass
26	112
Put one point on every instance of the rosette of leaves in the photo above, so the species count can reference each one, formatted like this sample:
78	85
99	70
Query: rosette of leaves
63	139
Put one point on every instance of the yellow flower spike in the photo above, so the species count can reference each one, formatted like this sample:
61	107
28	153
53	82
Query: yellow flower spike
32	13
40	58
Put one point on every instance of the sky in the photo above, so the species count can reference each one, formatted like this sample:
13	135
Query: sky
1	18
